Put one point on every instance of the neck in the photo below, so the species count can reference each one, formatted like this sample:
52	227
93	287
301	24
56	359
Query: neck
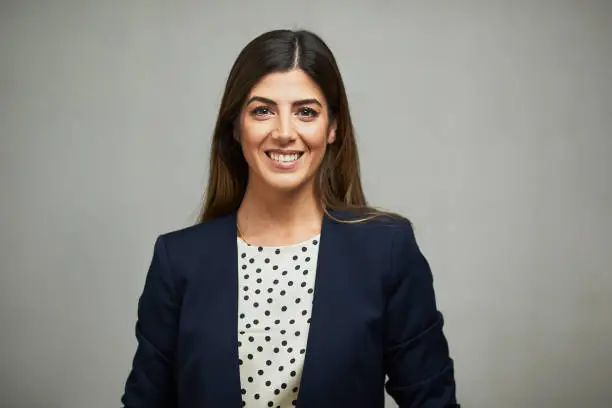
279	217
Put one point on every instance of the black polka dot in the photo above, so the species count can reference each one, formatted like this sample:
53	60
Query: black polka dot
277	251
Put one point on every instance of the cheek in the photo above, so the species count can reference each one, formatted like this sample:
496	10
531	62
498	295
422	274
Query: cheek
253	136
315	138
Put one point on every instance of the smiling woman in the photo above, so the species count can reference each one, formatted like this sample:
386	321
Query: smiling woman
290	290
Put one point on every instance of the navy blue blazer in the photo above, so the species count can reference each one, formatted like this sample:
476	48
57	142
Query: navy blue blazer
374	314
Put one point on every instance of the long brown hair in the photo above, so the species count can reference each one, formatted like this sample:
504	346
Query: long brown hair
338	181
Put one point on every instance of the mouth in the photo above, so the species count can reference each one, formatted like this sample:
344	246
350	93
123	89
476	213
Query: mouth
284	157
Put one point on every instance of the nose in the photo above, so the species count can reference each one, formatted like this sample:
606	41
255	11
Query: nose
284	130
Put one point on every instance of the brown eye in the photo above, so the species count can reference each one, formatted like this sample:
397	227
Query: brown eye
308	112
260	111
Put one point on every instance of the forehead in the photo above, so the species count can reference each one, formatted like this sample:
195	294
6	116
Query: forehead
287	87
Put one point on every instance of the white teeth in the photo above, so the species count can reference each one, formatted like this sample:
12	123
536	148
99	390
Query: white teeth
284	158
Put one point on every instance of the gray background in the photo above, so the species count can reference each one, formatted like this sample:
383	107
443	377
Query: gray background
487	123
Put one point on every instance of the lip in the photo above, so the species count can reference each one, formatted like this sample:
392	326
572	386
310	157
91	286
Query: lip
284	165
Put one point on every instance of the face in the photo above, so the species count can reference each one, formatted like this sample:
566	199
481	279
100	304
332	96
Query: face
284	131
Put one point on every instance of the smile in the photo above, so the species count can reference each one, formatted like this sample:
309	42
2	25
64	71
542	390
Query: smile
284	157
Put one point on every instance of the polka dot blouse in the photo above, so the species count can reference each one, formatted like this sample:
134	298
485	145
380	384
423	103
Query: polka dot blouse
275	303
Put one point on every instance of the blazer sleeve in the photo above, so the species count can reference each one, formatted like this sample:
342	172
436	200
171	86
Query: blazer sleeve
151	383
417	362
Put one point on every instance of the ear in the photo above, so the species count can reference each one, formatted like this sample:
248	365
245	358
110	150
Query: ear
331	136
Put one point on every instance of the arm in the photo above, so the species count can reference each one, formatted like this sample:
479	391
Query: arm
417	358
151	382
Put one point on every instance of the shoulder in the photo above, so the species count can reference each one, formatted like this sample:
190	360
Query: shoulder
374	224
198	240
383	236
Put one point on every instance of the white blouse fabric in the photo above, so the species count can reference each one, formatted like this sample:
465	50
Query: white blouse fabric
276	285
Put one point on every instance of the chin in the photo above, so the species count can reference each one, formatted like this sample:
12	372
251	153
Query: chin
285	183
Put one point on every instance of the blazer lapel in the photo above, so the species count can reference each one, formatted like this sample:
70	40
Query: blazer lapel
219	308
324	317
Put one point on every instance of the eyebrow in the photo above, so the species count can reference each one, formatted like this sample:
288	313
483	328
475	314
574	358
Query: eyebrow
296	103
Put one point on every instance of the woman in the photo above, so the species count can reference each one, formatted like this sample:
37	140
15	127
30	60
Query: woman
290	290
